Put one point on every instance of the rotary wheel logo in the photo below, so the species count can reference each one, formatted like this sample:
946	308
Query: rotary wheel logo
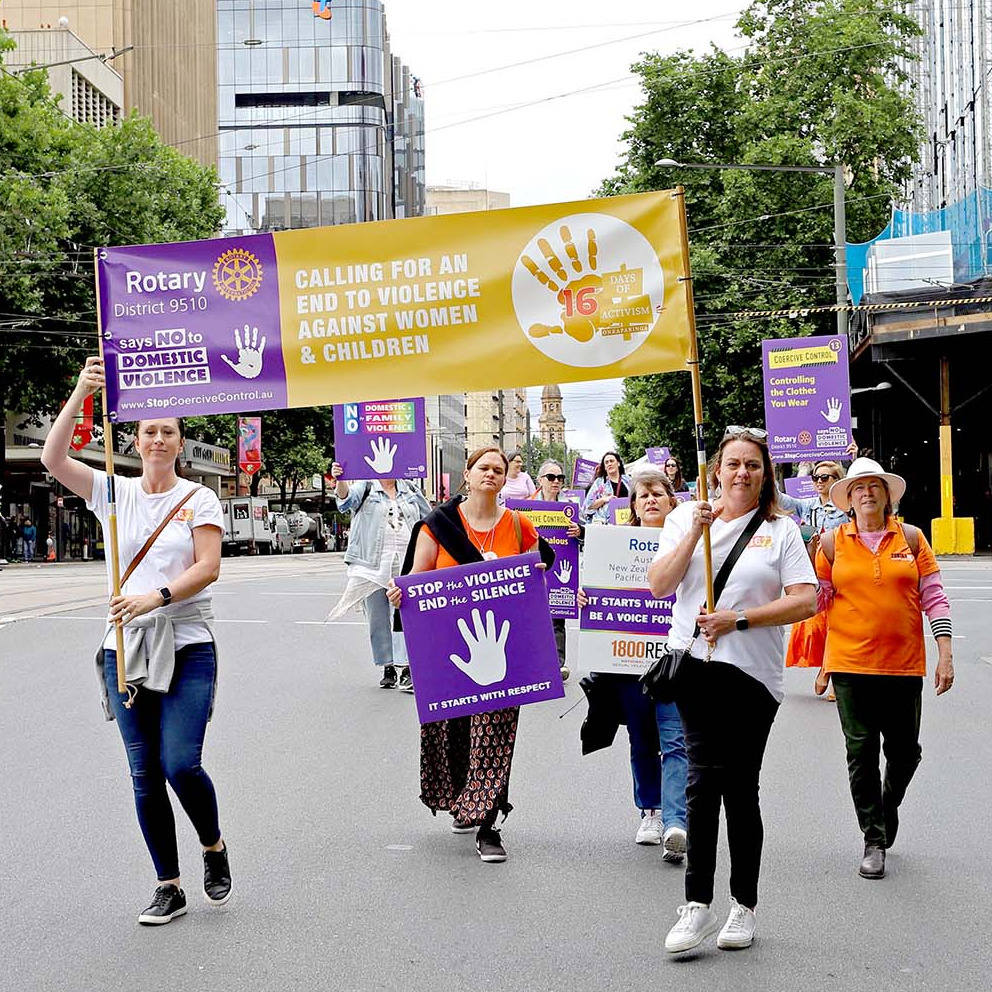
805	437
237	274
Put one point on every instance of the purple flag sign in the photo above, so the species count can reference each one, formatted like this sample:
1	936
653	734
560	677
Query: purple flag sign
386	439
583	472
479	637
573	495
623	627
618	509
657	456
160	338
807	397
684	496
801	486
552	521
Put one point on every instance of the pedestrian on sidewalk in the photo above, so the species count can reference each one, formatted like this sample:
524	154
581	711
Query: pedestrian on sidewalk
550	479
383	514
877	577
733	682
465	762
30	535
658	762
170	531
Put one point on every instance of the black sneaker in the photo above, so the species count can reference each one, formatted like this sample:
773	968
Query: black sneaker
461	827
216	877
168	902
489	846
388	680
406	683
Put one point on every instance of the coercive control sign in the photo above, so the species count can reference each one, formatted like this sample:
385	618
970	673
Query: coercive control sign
807	397
557	293
479	637
622	628
384	439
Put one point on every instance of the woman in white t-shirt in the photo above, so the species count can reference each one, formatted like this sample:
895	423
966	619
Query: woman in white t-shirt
734	681
171	663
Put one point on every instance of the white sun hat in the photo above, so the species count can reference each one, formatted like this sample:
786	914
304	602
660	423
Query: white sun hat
866	468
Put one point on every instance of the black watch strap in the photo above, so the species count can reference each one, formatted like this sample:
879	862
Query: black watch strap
166	594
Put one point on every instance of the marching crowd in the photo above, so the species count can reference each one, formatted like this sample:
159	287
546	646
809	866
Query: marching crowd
852	580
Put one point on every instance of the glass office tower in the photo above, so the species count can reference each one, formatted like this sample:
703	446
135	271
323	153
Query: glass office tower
319	123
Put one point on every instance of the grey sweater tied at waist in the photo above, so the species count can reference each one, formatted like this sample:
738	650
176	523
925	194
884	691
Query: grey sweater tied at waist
150	650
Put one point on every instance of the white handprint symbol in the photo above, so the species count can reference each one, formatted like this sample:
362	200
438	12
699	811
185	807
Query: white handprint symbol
382	455
564	573
833	411
249	364
487	652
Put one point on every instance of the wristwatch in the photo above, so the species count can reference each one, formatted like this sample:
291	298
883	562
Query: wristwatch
741	622
166	593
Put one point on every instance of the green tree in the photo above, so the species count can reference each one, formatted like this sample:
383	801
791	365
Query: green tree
818	83
536	451
65	189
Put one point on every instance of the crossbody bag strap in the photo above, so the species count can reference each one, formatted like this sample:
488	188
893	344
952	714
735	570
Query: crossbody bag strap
146	547
735	552
518	530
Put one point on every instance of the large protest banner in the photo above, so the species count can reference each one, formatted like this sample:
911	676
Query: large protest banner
554	293
384	439
623	627
807	397
552	521
479	637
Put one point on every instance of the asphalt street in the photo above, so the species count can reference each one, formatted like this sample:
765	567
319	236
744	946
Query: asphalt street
344	881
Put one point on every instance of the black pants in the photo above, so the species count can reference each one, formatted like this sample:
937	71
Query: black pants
727	716
559	625
878	709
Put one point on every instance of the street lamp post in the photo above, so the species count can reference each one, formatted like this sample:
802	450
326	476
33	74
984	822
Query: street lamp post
840	216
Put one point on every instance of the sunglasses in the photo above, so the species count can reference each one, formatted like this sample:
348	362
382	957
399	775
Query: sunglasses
671	464
757	433
554	478
824	478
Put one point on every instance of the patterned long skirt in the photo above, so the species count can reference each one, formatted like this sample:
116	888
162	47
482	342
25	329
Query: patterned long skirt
465	765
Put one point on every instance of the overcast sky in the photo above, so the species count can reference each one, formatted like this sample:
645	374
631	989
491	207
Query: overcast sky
566	141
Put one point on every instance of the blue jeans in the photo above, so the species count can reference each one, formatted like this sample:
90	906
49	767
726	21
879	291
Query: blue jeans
654	727
388	646
163	738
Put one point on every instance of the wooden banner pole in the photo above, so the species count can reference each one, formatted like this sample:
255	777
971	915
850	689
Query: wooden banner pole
108	452
697	391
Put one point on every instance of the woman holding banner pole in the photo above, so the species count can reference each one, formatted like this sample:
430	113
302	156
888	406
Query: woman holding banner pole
383	514
170	531
465	762
550	479
733	682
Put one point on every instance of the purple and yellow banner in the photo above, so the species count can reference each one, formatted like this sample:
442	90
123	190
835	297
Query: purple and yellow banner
557	293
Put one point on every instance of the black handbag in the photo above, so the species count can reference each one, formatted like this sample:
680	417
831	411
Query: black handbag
663	680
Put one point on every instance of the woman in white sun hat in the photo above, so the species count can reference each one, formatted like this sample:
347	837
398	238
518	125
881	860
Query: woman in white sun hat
877	576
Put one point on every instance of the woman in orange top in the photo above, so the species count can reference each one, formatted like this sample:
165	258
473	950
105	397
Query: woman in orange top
876	577
465	762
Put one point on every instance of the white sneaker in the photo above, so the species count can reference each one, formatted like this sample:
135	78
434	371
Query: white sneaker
649	832
674	845
696	922
738	931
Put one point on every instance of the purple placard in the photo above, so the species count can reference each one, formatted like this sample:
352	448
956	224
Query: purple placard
583	472
386	439
626	611
563	578
807	397
618	509
479	637
801	486
573	496
195	329
657	456
684	497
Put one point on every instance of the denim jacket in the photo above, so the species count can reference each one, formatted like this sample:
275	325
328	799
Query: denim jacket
365	536
600	489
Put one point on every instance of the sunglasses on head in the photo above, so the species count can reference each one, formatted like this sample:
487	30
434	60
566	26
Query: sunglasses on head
757	433
551	477
824	478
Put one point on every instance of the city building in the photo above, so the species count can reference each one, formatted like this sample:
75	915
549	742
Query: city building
85	87
931	268
168	60
552	420
461	198
319	122
446	452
